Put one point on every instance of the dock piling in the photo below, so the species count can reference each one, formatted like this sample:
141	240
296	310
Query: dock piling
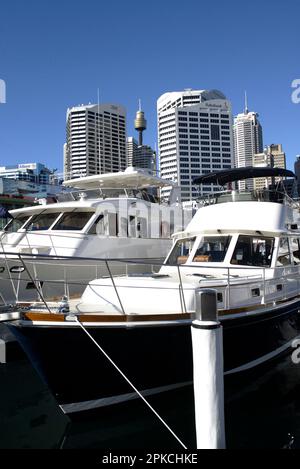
2	351
207	341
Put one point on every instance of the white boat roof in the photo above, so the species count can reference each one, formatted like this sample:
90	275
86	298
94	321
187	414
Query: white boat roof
131	178
68	206
242	217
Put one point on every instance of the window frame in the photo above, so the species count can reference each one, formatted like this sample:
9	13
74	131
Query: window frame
10	222
229	237
74	210
181	240
252	237
35	216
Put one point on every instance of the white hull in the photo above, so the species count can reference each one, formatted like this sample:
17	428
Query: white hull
70	276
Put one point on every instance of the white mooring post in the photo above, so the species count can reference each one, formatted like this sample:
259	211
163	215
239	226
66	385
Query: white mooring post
207	340
2	351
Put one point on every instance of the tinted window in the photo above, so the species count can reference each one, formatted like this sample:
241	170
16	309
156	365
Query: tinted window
73	221
295	246
212	249
97	226
43	221
16	223
181	251
284	256
253	251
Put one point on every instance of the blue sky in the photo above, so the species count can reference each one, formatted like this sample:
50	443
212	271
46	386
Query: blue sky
55	54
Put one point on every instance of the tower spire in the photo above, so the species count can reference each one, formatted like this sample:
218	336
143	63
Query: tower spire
140	123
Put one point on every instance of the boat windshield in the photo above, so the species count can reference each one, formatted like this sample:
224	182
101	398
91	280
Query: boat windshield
212	249
181	251
73	221
16	223
253	251
42	221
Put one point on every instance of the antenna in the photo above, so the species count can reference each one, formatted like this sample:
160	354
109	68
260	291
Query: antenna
246	103
156	161
98	128
140	104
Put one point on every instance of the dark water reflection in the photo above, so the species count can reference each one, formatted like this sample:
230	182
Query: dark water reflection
261	412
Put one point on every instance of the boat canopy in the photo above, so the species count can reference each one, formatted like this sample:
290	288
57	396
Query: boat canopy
131	178
237	174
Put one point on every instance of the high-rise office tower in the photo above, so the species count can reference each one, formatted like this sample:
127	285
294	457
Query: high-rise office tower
272	156
132	146
30	172
248	140
96	140
140	156
194	137
297	172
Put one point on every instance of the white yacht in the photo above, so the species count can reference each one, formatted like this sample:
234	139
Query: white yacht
112	215
245	246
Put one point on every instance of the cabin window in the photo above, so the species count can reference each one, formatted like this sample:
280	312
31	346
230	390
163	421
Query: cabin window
105	225
73	221
295	248
212	249
284	255
16	223
42	221
253	251
181	251
97	227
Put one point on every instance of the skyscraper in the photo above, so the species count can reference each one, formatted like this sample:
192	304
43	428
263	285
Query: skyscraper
297	172
194	137
132	146
248	140
96	140
140	156
272	156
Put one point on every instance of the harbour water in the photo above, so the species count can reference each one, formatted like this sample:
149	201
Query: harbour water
266	415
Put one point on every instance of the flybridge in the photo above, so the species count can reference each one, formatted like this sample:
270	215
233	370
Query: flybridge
276	192
237	174
131	178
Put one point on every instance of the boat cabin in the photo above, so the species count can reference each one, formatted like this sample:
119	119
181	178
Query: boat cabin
116	205
240	230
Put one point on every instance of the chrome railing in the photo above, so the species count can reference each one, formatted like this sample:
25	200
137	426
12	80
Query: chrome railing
26	278
260	195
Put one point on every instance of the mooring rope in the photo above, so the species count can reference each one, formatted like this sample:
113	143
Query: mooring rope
130	383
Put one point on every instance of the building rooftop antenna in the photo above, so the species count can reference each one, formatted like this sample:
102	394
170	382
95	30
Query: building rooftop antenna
98	129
